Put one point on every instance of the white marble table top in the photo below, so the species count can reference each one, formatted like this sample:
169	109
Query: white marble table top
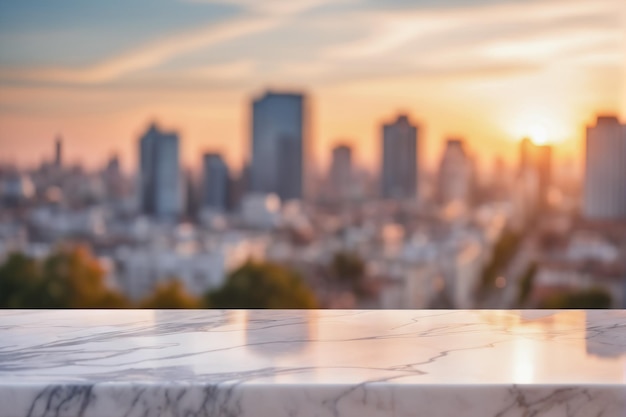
312	363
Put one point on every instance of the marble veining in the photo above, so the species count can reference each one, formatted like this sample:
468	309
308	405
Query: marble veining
322	363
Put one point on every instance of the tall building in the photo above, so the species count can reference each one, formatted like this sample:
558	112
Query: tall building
114	181
113	165
215	183
526	155
455	174
58	152
192	203
340	175
543	162
160	177
279	144
536	160
399	159
605	170
238	187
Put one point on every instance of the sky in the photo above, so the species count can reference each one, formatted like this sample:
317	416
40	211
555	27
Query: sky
488	71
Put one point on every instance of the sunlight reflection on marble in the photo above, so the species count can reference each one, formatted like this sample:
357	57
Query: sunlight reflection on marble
320	362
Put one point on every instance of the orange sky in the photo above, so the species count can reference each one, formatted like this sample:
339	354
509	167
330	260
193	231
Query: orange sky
489	72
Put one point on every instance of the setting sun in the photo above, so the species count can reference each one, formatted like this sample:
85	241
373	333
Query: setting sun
537	133
491	72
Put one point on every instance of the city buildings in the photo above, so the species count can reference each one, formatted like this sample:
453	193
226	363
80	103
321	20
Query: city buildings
116	186
58	152
581	259
279	144
455	174
414	255
200	261
260	211
605	170
215	183
160	183
399	159
340	176
536	160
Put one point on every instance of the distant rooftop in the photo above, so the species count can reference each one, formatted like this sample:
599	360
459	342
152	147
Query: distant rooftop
607	118
455	142
402	118
155	128
274	93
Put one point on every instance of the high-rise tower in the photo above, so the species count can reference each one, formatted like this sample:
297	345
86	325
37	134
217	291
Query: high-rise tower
160	178
399	159
279	143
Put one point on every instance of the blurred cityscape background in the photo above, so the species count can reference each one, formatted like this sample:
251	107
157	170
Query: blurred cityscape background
342	154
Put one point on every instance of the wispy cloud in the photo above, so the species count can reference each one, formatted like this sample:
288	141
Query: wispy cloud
388	34
229	71
257	17
392	29
272	7
146	57
505	38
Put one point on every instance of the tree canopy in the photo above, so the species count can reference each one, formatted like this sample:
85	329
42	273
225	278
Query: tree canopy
72	278
262	285
584	299
348	268
170	294
68	278
21	280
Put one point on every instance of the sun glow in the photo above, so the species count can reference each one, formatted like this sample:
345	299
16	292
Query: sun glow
538	134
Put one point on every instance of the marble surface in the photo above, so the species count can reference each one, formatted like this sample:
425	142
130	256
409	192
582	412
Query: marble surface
312	363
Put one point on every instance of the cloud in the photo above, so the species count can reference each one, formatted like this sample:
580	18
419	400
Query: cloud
471	26
259	16
550	48
389	33
502	38
229	71
149	56
272	7
493	40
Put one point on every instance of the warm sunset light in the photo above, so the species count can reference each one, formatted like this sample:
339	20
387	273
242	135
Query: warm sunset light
470	67
423	154
366	208
538	134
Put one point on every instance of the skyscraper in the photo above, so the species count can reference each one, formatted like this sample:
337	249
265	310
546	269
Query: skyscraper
544	174
605	170
526	155
113	178
279	142
536	160
192	199
238	187
399	159
58	152
160	178
215	181
341	171
455	174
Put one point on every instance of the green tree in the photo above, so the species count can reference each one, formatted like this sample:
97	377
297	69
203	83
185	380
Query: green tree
262	285
585	299
503	252
170	294
20	279
68	278
347	267
73	278
526	283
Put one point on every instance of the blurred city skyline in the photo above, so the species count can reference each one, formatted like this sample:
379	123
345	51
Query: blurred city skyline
486	71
